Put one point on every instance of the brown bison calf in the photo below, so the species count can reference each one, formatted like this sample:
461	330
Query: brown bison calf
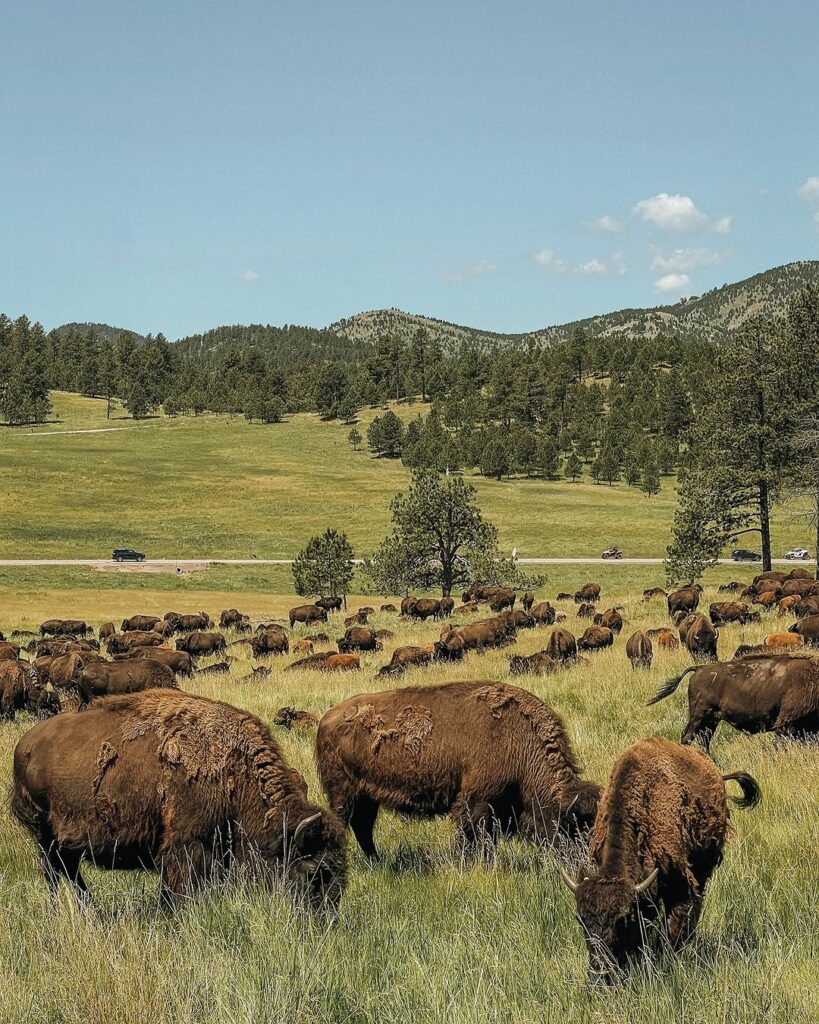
639	650
656	841
173	782
327	662
539	664
491	756
289	718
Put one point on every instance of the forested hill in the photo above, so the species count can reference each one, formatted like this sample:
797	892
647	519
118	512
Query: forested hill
102	332
709	317
283	346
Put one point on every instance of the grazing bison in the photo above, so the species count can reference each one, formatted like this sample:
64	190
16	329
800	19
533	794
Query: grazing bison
329	604
179	662
121	643
450	647
188	623
639	650
731	611
729	588
9	651
586	611
482	634
806	606
770	575
447	606
804	588
800	574
784	641
303	647
327	661
759	692
217	669
656	841
62	671
587	594
491	756
18	685
467	609
665	638
358	619
388	608
358	638
289	718
139	622
563	596
543	614
539	664
272	640
104	678
308	614
518	619
425	608
407	605
503	598
767	599
611	619
527	600
232	618
107	630
480	593
595	638
407	657
700	637
69	627
686	599
170	781
808	629
200	643
562	645
652	592
786	605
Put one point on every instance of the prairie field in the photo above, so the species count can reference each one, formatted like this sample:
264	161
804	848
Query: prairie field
423	936
218	487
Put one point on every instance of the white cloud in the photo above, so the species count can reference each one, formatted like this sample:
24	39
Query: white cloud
809	190
469	271
673	283
595	267
608	224
681	260
678	213
249	276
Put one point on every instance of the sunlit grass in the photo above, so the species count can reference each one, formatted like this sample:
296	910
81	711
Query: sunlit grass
422	936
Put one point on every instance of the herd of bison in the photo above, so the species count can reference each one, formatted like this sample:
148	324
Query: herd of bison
129	771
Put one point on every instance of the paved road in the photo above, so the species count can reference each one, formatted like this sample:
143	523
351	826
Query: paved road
201	563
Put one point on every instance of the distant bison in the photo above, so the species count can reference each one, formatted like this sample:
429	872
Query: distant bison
307	613
586	611
611	619
652	592
120	643
232	618
492	756
103	678
639	650
776	693
543	613
141	622
358	638
587	594
562	645
657	839
289	718
503	598
72	627
172	782
665	638
329	604
808	629
595	638
388	608
200	643
407	657
327	661
425	608
731	611
700	637
180	662
447	606
539	664
272	640
686	599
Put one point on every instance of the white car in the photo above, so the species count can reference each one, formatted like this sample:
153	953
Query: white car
798	554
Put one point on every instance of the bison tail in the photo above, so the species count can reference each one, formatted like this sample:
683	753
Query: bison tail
751	793
670	687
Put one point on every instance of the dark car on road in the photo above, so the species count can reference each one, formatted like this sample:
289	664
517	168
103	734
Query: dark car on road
744	555
127	555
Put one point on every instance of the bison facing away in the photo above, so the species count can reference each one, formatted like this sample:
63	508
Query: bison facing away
493	757
171	782
657	839
639	650
776	693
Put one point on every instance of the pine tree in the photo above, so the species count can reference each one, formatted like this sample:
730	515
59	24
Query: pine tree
574	467
325	566
355	439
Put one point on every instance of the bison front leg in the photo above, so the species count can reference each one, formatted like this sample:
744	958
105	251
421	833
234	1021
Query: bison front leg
362	822
681	920
183	869
59	863
477	833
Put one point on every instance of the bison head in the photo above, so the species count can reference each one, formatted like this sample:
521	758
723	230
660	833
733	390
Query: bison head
317	860
608	910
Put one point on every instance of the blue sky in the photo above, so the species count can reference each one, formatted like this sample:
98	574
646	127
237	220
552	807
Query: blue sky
174	166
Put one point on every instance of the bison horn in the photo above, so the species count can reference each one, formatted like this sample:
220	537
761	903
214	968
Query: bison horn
647	882
567	878
303	825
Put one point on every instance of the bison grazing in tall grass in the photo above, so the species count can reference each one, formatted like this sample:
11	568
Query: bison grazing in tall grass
493	757
657	839
171	782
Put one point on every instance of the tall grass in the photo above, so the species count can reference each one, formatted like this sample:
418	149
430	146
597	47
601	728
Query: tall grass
423	936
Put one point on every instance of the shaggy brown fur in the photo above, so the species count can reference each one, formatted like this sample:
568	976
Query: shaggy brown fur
787	604
425	608
731	611
493	757
140	622
586	611
519	619
808	629
232	618
806	606
327	661
9	651
107	630
611	619
562	645
539	664
543	614
180	662
776	693
70	627
170	781
359	619
329	604
587	594
303	647
653	592
388	608
272	640
665	638
289	718
358	638
700	637
663	819
639	650
527	600
501	599
686	599
121	643
200	643
804	588
103	678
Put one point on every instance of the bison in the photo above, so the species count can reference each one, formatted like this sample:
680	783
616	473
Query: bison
760	692
587	594
19	687
595	638
493	757
9	651
308	614
179	662
425	608
586	611
272	640
104	678
329	604
121	643
289	718
806	606
686	599
358	638
139	622
527	600
200	643
388	608
501	599
808	629
450	647
639	650
656	841
327	661
562	645
519	619
173	782
407	657
538	664
611	619
721	612
447	606
543	614
107	630
700	637
232	618
665	638
71	627
359	618
652	592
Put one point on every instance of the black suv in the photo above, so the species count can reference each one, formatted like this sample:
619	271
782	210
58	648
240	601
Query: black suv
744	555
127	555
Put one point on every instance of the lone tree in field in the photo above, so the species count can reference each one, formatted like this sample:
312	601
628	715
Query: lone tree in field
385	436
437	525
574	467
355	439
325	566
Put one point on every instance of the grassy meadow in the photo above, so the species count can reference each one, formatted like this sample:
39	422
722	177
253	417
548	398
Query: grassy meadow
213	486
422	936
